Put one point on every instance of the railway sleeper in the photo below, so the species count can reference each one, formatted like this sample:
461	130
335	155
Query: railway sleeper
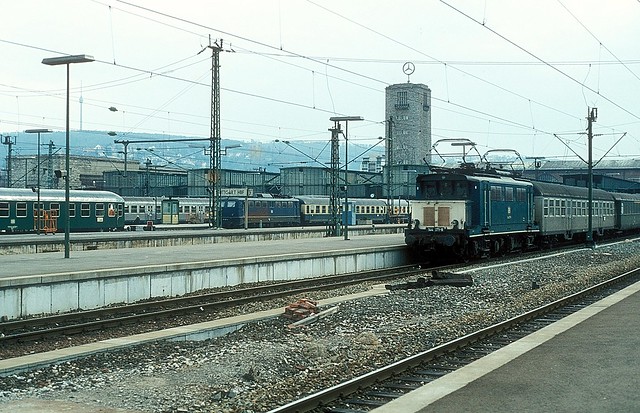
437	278
365	402
384	394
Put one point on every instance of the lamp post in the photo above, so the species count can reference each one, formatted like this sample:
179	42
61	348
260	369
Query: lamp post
38	131
337	120
55	61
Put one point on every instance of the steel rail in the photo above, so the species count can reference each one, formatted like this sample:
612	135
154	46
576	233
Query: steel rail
330	394
187	304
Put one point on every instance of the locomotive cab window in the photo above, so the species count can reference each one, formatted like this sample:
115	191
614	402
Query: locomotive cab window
497	193
445	189
508	194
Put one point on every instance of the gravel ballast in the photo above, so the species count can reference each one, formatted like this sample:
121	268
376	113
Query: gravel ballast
266	364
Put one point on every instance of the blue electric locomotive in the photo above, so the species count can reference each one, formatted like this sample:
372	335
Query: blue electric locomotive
259	212
471	216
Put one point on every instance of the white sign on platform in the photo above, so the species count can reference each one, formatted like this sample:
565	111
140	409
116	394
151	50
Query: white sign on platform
236	192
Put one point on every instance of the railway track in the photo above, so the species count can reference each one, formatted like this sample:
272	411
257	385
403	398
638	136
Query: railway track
378	387
37	328
92	320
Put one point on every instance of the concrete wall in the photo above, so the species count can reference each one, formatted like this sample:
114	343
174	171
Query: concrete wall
141	239
82	291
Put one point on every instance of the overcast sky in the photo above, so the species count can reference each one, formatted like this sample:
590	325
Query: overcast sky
503	73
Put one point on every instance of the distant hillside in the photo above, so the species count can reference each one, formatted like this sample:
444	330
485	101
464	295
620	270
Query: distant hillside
240	155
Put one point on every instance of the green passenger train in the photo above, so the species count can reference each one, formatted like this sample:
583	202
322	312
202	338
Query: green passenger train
88	211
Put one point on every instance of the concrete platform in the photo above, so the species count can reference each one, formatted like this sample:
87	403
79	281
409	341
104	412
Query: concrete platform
49	283
177	235
586	362
200	331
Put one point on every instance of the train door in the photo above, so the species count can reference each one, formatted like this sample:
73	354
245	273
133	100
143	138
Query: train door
487	206
349	216
570	212
170	211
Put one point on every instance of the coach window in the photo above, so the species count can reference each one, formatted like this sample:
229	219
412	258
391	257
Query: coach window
72	210
55	209
99	209
85	210
21	209
563	208
35	208
4	209
557	211
546	208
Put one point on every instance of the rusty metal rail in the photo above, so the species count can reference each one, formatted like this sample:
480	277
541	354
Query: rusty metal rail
92	320
327	396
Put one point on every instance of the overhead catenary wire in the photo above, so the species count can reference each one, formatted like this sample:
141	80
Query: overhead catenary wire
465	108
327	64
599	42
506	39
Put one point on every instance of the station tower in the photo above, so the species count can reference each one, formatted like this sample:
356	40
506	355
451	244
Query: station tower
409	105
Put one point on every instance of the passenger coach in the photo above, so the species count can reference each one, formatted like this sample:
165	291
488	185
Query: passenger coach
563	211
627	211
88	210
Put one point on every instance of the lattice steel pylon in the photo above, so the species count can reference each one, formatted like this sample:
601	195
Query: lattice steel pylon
214	174
333	227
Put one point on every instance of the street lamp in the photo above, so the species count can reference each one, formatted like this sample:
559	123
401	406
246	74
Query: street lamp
337	120
38	131
55	61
